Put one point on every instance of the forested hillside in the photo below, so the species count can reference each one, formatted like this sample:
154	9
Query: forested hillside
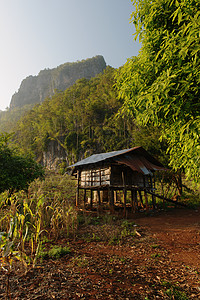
153	95
86	249
34	89
81	119
78	122
9	117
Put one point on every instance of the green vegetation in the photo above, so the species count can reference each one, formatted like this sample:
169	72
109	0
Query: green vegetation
108	228
152	101
34	89
17	171
156	105
30	223
28	220
82	120
161	85
55	252
43	224
173	291
9	118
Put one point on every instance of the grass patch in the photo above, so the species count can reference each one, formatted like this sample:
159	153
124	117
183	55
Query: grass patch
55	252
173	291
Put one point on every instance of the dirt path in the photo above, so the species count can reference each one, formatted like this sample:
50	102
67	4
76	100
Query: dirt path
178	231
160	261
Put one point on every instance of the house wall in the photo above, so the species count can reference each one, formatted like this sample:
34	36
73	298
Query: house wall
124	175
117	176
95	177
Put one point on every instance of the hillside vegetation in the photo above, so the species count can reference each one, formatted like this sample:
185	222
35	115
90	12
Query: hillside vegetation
34	89
161	85
50	249
83	120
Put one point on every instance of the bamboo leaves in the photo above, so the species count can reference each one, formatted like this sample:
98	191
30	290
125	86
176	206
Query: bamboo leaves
161	85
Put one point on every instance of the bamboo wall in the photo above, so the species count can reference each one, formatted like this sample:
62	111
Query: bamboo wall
113	176
95	177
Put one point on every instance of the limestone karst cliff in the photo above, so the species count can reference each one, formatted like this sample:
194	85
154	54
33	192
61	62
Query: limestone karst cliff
34	89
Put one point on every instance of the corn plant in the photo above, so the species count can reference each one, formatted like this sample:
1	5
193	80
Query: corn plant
24	226
12	246
63	220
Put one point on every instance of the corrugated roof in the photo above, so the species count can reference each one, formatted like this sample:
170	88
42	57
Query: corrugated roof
137	158
139	163
101	157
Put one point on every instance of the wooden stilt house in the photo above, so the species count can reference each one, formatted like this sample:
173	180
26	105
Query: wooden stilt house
104	176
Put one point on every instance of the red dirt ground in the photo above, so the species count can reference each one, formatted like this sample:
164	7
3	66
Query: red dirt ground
162	261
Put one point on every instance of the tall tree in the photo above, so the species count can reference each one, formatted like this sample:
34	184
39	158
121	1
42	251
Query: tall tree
162	85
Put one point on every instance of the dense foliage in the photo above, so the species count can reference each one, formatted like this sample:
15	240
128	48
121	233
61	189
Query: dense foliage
81	119
9	117
161	85
16	171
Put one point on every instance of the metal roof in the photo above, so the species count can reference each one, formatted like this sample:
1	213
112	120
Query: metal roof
139	163
100	157
137	158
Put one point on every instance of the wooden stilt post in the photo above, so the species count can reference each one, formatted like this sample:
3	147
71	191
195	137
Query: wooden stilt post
99	197
154	202
115	196
77	190
99	201
135	201
91	198
124	192
146	201
163	203
141	200
132	201
124	198
84	199
153	198
77	196
112	208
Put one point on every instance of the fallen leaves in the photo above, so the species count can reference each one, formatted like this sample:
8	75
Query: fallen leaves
95	269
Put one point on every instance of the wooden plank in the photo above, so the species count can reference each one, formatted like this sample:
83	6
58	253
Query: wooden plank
132	201
135	200
154	202
167	199
77	196
99	197
99	202
141	200
115	197
124	200
84	198
100	177
91	198
146	201
77	190
112	207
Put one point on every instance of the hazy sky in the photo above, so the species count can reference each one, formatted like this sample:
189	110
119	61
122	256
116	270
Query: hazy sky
39	34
